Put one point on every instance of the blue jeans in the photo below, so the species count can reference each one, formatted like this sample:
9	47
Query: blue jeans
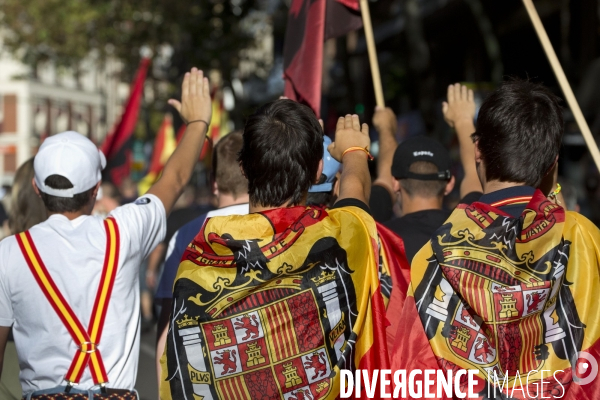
61	389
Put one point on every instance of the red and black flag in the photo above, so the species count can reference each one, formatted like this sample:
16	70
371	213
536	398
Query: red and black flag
310	23
117	145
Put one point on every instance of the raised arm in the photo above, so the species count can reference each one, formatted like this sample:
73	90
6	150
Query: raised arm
355	181
459	113
196	110
386	124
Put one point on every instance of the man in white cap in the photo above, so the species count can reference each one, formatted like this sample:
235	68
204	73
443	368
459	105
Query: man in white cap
68	286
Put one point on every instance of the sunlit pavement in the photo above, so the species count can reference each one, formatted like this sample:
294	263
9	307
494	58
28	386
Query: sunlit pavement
146	384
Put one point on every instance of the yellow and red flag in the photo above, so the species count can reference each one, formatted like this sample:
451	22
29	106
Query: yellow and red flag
514	298
394	276
273	305
164	146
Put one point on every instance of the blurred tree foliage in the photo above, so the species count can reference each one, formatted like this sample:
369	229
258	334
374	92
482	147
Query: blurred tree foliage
203	33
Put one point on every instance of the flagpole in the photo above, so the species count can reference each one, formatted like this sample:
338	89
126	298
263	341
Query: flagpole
366	17
562	80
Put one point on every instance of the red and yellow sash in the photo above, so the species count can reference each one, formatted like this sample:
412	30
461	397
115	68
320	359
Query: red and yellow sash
87	340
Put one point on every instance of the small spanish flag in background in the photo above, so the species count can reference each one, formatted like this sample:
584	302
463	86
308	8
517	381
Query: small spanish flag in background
164	146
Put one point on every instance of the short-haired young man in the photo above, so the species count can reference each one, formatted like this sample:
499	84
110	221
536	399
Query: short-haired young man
418	172
422	178
504	285
274	303
231	189
69	285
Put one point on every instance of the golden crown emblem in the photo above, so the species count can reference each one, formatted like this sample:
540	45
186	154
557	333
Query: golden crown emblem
324	277
186	322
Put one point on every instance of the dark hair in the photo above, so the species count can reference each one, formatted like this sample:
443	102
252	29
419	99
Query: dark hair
321	199
519	129
422	188
283	144
225	168
57	204
27	209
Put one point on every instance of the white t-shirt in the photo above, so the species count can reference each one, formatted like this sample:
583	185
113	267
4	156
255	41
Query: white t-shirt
73	252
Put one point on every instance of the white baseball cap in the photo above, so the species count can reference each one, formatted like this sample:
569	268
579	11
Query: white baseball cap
72	155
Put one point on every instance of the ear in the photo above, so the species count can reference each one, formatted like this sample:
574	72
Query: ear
549	180
319	171
95	193
478	158
215	188
336	185
396	185
450	186
35	188
242	170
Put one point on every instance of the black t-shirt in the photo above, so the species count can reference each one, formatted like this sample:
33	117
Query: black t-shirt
416	228
381	204
180	217
352	202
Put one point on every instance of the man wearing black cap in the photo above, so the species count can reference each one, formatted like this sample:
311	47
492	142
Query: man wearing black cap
420	173
421	170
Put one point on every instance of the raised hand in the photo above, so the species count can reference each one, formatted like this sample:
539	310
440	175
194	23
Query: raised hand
460	106
195	102
384	120
195	109
459	113
349	133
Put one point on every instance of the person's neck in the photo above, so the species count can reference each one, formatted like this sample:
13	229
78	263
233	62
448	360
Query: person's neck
70	215
415	204
226	200
254	208
494	186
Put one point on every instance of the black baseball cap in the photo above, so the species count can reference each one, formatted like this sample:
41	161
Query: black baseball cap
421	148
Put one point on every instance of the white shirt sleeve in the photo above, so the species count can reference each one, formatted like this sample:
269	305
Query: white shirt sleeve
144	222
6	310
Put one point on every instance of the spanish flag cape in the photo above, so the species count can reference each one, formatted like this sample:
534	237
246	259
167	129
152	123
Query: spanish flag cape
515	298
272	305
394	277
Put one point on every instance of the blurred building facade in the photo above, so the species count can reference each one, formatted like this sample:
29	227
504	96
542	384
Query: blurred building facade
38	104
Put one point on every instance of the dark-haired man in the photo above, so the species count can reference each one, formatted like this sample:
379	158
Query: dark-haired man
504	285
69	285
274	303
422	178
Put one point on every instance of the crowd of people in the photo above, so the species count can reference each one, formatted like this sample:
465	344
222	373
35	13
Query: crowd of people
306	266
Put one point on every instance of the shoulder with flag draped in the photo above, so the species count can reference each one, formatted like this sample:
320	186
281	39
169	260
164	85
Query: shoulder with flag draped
510	296
274	304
